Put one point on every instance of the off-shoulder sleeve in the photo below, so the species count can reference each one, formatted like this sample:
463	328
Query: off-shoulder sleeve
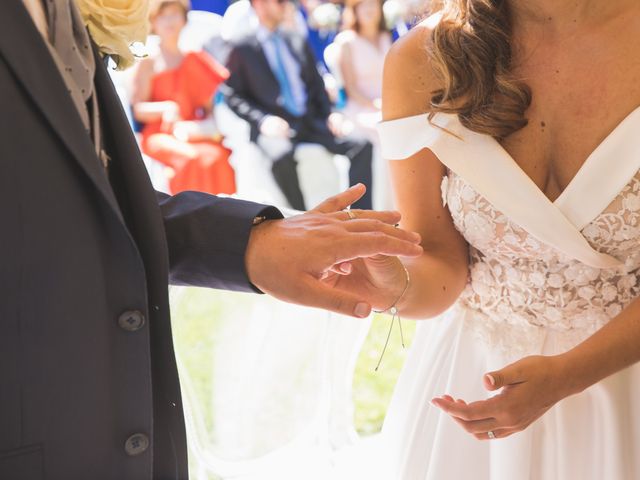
404	137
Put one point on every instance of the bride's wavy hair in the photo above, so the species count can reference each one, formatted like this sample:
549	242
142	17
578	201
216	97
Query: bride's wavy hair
471	53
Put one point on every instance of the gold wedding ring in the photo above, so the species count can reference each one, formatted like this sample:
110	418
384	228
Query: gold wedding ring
352	216
491	435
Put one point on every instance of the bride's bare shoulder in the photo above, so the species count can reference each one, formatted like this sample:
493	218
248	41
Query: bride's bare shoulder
408	78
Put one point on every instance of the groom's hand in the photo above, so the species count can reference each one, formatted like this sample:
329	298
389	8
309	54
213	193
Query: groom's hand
289	258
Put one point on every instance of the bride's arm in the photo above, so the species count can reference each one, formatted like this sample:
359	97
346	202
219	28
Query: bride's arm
440	274
611	349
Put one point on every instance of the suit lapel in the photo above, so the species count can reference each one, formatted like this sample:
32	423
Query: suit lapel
263	63
293	44
130	179
28	57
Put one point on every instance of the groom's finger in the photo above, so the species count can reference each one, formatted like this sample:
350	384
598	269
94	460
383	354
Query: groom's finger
389	217
364	226
368	244
342	200
320	295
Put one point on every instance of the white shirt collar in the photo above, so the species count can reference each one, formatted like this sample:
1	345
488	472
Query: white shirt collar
263	34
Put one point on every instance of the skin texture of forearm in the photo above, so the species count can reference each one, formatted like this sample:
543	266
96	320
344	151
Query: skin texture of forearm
611	349
437	279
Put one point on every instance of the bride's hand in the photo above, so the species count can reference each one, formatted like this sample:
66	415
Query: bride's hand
529	388
380	279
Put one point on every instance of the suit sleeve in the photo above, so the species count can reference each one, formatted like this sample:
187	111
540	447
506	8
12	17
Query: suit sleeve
207	238
236	90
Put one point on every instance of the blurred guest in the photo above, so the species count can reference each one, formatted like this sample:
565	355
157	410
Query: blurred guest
362	47
173	97
275	86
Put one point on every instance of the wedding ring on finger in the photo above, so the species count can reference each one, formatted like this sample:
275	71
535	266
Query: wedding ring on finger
491	435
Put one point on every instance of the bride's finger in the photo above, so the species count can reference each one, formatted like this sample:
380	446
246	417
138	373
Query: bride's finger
500	433
473	411
479	426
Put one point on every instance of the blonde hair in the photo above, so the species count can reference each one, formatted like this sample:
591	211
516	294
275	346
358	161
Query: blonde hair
472	57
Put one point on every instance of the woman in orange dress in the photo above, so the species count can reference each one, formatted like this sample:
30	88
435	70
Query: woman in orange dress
173	97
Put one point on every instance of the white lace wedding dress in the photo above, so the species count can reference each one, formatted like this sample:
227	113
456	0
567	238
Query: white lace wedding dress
543	276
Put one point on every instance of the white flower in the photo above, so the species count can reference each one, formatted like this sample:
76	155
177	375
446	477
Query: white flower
587	292
453	201
115	25
537	279
516	298
580	274
479	230
444	189
613	310
553	314
512	274
609	292
468	194
555	280
511	239
631	202
627	282
592	231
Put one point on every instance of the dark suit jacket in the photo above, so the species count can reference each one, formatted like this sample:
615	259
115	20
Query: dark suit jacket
253	92
77	250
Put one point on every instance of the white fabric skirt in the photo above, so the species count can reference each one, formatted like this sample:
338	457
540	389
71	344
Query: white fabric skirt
593	435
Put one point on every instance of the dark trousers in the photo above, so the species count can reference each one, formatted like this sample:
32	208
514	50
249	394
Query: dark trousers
281	152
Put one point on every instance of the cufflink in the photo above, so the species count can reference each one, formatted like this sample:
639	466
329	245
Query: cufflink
258	220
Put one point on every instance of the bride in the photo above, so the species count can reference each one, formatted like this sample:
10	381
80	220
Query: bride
517	125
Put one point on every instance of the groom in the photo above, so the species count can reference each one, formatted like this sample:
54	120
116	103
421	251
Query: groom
88	382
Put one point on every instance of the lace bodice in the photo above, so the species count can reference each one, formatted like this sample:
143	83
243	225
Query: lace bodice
536	268
517	281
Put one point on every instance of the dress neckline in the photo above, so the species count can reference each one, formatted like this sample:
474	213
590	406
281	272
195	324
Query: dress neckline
586	164
483	163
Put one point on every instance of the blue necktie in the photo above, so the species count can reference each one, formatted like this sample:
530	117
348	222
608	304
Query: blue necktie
283	79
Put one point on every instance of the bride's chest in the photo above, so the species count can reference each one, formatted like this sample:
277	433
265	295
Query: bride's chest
614	231
577	100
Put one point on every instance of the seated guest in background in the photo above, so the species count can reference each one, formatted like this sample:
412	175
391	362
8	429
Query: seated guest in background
275	86
363	46
173	97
